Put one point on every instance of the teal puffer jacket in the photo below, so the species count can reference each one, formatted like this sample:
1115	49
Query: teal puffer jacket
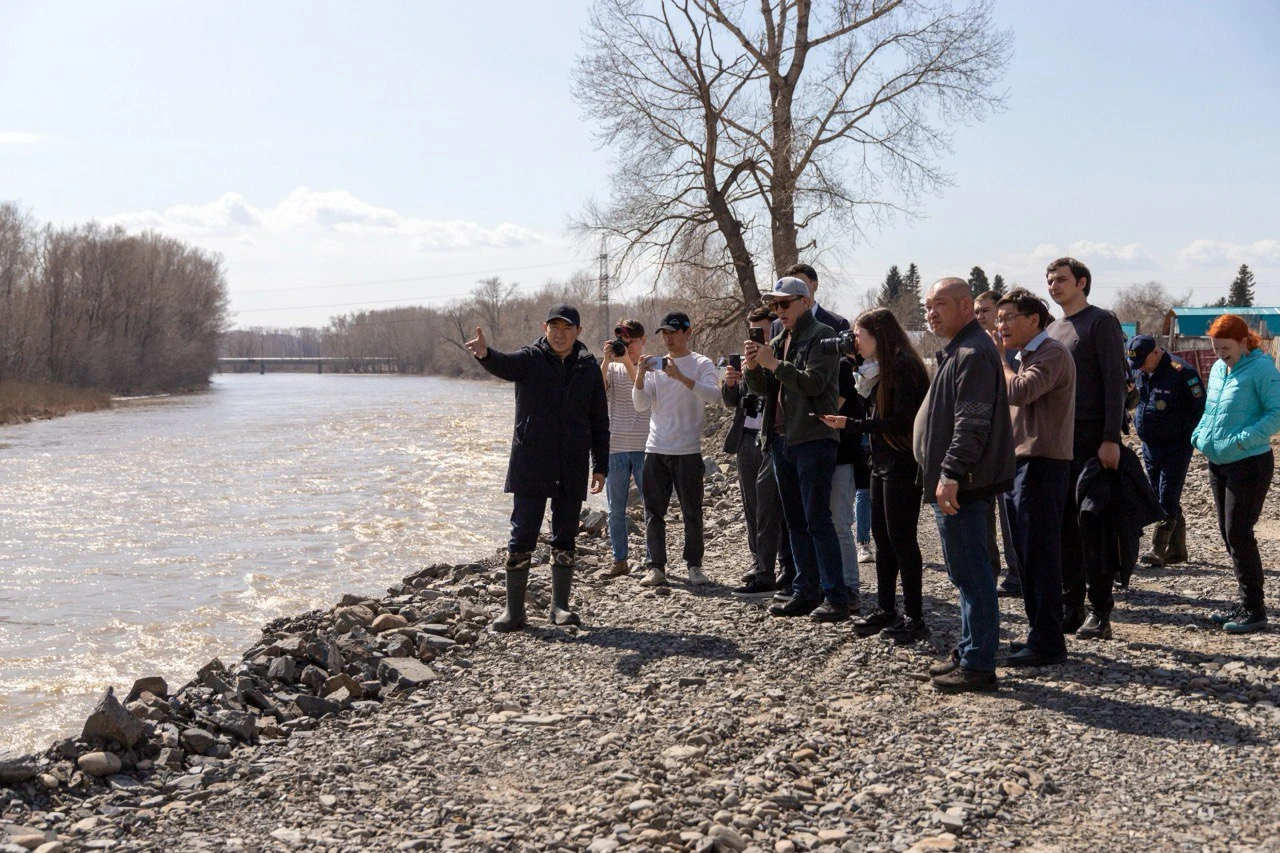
1242	409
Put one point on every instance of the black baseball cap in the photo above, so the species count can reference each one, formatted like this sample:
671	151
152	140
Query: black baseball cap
1140	346
674	321
565	312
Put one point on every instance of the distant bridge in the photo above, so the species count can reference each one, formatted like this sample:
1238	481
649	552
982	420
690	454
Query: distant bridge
379	364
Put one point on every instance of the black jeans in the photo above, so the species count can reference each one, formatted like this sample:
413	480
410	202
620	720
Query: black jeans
1239	490
1089	551
662	474
526	520
1039	494
766	527
895	515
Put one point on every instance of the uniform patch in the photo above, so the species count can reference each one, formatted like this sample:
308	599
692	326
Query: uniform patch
1197	391
1161	405
1176	365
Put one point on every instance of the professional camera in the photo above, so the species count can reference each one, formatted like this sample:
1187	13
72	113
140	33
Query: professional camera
617	346
841	344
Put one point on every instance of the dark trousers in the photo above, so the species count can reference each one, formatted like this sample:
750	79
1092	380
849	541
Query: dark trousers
527	513
1039	494
750	457
1014	575
804	482
1166	466
769	544
1239	490
1088	565
662	474
895	516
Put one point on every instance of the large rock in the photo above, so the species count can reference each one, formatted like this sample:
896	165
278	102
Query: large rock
16	768
405	673
198	741
314	706
99	763
111	721
595	522
388	622
152	684
238	723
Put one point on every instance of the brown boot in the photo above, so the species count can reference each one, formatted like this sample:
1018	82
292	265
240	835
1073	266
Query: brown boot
1158	555
1177	550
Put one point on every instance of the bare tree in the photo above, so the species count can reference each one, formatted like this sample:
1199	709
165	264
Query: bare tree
722	109
1147	304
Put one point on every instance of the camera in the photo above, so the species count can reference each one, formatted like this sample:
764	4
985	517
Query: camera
617	346
841	344
751	405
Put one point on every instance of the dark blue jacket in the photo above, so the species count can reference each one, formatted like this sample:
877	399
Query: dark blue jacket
1170	402
562	415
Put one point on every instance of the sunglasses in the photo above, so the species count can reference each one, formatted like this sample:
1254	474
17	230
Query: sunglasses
775	304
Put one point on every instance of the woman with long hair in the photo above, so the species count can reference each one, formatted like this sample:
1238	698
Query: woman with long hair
892	382
1242	412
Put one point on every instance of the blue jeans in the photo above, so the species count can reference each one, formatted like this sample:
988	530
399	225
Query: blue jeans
964	547
804	482
862	512
622	467
842	512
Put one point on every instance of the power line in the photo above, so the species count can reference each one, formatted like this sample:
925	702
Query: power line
405	280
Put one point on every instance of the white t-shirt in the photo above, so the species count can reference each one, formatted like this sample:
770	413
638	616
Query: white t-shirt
677	414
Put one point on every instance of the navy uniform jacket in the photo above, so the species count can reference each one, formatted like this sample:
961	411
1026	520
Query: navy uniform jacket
1170	402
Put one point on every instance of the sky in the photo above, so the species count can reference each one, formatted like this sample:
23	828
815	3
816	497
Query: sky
342	157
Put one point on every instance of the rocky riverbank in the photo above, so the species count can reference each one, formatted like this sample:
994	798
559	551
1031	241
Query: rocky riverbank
681	718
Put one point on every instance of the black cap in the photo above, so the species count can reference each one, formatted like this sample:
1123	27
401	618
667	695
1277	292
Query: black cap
1140	346
674	321
565	312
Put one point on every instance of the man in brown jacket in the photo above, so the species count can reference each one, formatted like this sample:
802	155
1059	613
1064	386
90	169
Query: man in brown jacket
1042	401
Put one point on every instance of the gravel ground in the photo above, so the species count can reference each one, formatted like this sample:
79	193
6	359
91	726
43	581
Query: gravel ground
684	718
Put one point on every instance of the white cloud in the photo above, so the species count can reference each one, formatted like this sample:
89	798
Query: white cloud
13	137
1208	253
322	217
1109	255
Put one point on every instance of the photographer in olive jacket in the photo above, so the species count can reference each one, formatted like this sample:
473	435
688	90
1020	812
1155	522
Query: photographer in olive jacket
561	417
797	377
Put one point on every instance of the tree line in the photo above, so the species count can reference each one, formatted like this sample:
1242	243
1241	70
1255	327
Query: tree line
94	307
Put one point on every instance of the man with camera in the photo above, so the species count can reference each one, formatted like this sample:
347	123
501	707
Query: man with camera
798	380
628	432
761	504
675	389
561	418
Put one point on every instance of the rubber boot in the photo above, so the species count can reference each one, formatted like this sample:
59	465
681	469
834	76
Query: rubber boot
517	582
561	583
1177	550
1159	553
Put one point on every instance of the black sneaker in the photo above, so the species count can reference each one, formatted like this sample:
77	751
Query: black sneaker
906	630
756	587
1231	615
951	664
866	626
963	680
828	612
794	607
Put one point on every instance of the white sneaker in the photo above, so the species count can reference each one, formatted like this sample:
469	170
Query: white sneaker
655	577
866	553
697	577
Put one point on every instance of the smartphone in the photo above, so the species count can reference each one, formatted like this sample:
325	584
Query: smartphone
657	362
735	361
755	333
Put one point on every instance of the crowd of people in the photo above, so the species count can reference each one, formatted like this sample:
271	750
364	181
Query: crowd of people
841	438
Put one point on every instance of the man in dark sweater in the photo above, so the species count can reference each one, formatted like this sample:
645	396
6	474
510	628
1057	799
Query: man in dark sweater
1097	344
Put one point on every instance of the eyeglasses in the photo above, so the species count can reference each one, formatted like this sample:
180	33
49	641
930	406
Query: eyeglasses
775	304
1006	319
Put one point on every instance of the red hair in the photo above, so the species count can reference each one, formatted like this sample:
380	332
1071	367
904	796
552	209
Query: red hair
1234	327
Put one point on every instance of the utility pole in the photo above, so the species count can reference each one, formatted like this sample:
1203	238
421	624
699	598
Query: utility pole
603	294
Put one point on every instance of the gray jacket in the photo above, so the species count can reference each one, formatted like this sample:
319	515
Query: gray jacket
963	428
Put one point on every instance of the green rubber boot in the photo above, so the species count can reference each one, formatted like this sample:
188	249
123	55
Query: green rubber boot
517	582
1177	550
561	583
1158	555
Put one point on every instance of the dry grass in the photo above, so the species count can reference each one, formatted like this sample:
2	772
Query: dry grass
27	401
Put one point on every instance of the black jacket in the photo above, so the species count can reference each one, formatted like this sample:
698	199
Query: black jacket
891	454
1170	402
740	400
1125	496
562	415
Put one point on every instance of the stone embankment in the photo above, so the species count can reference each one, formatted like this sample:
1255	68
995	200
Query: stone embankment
681	718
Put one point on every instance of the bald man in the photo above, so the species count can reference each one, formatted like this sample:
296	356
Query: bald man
964	443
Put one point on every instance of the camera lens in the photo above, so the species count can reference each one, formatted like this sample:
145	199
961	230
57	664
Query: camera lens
618	346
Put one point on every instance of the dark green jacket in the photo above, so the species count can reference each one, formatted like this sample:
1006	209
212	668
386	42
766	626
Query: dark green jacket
809	381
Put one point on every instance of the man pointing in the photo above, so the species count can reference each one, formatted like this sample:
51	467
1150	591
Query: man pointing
561	418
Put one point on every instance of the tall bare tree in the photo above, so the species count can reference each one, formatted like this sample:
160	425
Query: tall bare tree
1147	304
791	110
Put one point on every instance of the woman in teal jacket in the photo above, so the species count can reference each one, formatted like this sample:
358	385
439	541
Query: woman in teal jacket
1241	414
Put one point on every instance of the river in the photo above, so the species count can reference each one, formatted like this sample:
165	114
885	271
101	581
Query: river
155	536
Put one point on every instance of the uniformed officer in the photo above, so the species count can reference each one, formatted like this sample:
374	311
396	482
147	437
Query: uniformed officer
1170	403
